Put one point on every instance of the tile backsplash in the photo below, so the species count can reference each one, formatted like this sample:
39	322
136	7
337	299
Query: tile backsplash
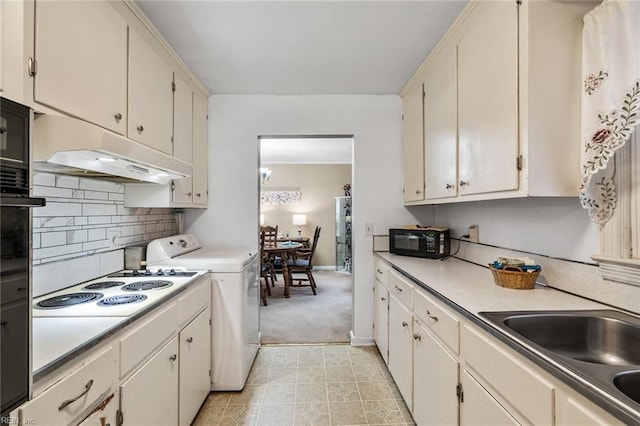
85	222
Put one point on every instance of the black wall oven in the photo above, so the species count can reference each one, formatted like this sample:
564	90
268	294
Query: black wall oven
15	254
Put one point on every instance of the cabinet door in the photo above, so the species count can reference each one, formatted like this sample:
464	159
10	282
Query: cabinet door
381	320
440	127
401	348
81	49
150	396
195	364
182	137
488	99
435	377
479	408
200	151
150	95
413	143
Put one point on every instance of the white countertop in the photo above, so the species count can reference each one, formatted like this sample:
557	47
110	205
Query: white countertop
471	287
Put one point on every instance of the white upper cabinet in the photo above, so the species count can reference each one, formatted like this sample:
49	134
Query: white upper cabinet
81	69
413	178
200	151
182	136
488	99
440	126
150	95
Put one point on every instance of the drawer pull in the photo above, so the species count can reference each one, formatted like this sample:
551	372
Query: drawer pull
140	128
431	316
383	299
66	403
399	289
173	357
189	339
379	271
117	116
404	324
417	337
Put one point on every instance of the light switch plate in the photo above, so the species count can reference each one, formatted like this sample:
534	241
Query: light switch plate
368	229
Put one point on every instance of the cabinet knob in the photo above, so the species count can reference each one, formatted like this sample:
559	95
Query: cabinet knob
383	299
3	130
140	128
417	337
418	191
173	357
449	186
431	316
189	339
3	322
463	183
404	324
117	116
199	194
189	194
379	271
399	289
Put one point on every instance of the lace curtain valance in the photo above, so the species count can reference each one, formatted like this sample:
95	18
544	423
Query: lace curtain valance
611	98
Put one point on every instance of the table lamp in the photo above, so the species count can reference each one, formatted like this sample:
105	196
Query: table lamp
299	220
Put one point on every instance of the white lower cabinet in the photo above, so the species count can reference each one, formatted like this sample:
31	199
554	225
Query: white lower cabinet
381	320
401	348
106	413
478	407
150	395
195	364
435	376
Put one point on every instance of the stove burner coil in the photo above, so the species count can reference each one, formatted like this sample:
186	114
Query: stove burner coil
103	284
122	299
69	299
147	285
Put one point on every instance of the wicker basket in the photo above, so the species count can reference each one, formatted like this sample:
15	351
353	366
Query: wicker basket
514	277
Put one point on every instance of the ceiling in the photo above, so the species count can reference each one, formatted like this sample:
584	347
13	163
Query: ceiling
302	47
308	150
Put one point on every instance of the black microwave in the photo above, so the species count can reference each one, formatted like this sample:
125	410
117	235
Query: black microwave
429	242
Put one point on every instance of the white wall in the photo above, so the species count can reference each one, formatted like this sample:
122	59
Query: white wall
236	121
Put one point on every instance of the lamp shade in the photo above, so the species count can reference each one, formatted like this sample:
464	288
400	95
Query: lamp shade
299	219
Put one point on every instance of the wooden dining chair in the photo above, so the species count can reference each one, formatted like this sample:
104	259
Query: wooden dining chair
268	236
301	263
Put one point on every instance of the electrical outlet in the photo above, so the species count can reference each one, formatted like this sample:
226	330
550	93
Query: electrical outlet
474	234
368	229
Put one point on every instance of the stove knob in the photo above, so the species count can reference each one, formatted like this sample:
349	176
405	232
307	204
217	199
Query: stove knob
147	272
172	271
136	272
182	243
160	272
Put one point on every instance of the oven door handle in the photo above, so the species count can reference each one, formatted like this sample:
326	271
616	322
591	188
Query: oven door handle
22	202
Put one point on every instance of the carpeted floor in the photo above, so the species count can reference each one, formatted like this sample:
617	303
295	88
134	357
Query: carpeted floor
305	318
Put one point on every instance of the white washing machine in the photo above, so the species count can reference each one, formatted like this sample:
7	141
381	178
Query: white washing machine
235	303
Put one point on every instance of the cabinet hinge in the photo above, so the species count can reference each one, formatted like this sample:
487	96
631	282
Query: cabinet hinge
173	186
173	86
519	2
459	392
209	373
32	67
519	162
119	418
172	140
209	321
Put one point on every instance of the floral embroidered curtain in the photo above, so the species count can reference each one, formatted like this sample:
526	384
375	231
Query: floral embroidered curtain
611	98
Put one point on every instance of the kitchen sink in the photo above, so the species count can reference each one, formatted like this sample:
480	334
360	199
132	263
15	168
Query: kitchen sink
599	346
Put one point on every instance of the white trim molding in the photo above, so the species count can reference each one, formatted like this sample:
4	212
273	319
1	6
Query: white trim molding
620	270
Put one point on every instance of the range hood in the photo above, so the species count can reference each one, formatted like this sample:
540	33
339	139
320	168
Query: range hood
70	146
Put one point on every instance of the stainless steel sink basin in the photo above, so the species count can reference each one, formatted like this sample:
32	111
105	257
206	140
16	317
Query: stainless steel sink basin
599	346
586	337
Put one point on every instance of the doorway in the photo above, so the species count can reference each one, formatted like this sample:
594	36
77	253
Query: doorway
305	183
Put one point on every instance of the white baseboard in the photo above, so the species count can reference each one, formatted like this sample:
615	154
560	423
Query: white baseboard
361	341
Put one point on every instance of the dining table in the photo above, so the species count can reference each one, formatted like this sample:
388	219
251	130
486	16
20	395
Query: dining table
285	250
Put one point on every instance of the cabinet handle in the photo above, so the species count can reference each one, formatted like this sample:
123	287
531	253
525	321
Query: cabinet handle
418	191
404	324
379	271
87	387
3	322
189	339
173	357
399	289
463	183
140	128
431	316
449	186
117	116
417	337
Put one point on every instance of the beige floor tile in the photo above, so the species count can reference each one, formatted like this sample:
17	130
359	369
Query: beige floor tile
340	374
332	349
218	398
404	410
240	415
311	392
383	413
347	413
282	375
250	395
312	414
364	358
311	375
310	360
343	391
209	415
279	393
312	349
276	415
375	391
368	373
285	359
258	376
337	359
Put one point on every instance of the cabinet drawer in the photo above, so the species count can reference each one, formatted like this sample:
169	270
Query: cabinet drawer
437	318
508	377
97	377
137	344
401	288
195	299
381	270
